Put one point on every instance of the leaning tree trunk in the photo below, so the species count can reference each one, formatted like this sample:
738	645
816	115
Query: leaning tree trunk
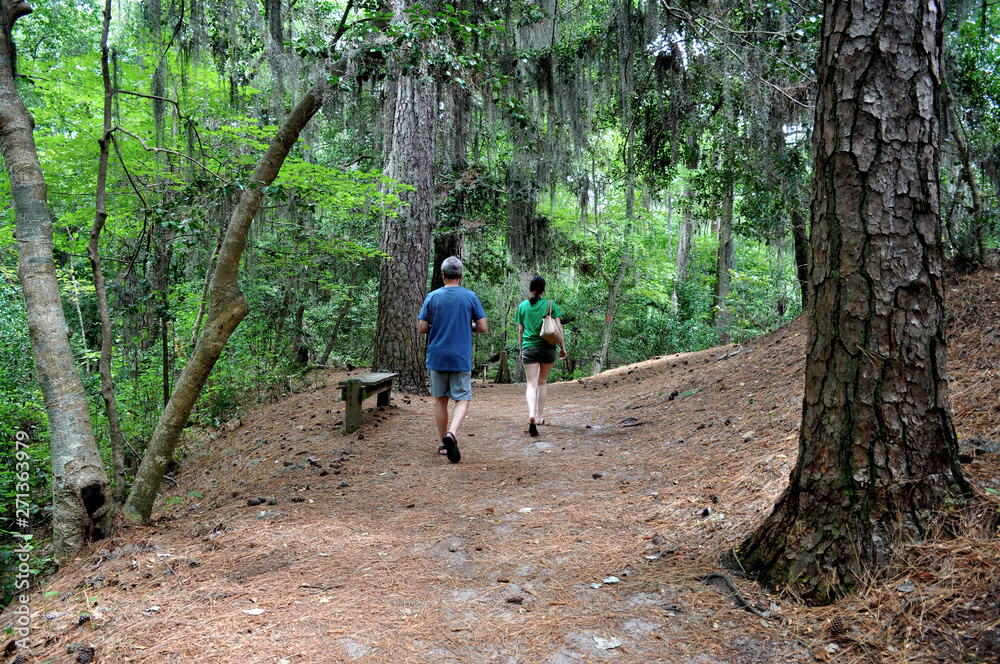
81	500
227	307
877	449
411	111
107	390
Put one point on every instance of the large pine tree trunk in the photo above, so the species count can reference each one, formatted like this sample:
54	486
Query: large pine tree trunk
411	110
227	306
877	450
80	486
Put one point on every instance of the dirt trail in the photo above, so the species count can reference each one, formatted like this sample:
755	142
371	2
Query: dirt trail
372	548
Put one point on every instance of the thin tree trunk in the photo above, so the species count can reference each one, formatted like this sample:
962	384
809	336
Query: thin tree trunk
957	179
299	351
204	293
723	263
79	313
107	389
970	174
410	117
81	500
800	241
336	330
610	308
685	233
787	178
165	351
779	272
878	455
344	310
282	315
227	308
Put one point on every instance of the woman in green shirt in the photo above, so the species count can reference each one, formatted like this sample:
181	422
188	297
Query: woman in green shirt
537	354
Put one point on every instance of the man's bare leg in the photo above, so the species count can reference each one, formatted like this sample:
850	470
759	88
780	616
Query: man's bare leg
441	415
457	415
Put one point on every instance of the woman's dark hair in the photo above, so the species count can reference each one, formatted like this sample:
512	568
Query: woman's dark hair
537	287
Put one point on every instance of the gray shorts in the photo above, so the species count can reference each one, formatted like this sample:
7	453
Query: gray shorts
457	385
539	355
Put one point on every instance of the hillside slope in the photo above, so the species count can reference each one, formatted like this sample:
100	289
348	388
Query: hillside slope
371	548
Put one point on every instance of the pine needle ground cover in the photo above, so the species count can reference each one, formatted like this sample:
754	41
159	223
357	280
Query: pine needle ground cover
278	539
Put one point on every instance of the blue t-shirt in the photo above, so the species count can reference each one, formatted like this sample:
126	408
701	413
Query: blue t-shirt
450	311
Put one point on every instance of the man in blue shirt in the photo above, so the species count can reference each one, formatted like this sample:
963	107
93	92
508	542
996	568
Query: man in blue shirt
449	316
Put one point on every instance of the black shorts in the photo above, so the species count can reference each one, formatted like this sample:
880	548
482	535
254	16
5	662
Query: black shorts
539	354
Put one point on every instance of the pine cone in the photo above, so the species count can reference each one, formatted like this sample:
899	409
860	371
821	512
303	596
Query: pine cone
837	627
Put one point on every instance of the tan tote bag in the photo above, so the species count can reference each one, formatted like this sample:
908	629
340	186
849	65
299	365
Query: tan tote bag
551	328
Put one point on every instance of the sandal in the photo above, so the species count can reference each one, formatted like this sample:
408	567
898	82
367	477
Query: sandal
532	429
443	450
450	445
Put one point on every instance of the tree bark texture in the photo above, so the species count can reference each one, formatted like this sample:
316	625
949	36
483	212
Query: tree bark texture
411	110
81	499
877	450
107	389
227	306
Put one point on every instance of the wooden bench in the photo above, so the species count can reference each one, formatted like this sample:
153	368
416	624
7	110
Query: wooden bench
355	390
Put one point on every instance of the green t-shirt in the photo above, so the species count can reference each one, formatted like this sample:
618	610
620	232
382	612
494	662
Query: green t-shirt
530	316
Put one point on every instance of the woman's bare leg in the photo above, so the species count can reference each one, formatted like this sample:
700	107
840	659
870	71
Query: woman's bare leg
531	393
543	376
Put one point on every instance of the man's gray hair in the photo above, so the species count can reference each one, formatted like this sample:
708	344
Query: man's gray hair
451	268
